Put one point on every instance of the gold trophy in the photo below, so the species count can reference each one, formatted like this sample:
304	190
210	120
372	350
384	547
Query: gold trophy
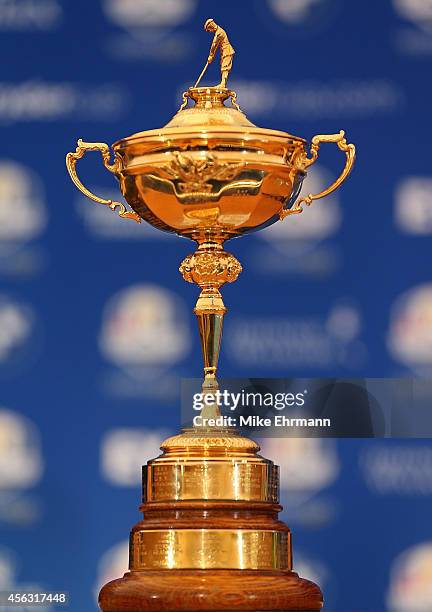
211	539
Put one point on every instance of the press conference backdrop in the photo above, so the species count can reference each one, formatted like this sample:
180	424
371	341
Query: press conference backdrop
96	327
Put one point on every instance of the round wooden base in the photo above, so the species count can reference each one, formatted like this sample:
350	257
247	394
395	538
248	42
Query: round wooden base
210	591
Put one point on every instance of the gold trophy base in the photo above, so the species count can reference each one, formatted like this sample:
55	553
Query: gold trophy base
211	539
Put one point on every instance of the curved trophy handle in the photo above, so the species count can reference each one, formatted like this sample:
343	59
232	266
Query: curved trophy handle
71	160
305	162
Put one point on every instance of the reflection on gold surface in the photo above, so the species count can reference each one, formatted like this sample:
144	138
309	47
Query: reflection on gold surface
210	549
210	477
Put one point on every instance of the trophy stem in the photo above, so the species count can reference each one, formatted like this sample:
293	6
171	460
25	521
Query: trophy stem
210	326
210	267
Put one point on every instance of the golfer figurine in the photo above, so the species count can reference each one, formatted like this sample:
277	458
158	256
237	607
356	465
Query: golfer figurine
221	42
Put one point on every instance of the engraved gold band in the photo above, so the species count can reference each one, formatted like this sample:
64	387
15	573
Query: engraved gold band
210	549
212	480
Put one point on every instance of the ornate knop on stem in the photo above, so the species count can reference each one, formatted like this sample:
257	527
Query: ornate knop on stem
210	267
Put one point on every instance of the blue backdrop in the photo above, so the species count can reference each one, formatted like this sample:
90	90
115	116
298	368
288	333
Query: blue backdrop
96	327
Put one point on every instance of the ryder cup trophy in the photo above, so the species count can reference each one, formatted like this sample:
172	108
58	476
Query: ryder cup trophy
210	539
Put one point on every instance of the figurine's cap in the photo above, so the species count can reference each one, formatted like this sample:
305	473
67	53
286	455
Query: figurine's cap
208	22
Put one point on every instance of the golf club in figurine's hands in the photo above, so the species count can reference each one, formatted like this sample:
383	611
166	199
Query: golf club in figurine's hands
211	539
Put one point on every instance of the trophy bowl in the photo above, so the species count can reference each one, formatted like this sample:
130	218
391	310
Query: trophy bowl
209	171
210	174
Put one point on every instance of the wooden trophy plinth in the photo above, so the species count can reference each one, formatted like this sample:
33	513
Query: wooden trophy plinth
211	539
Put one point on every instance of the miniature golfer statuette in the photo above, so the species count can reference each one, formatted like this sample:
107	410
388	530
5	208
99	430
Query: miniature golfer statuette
221	42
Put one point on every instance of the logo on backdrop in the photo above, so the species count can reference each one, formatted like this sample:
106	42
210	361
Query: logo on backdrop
415	37
416	11
30	15
113	564
18	335
150	28
307	467
398	470
145	331
124	451
149	13
21	463
410	587
413	205
21	467
8	565
298	17
142	327
309	100
38	100
298	12
23	218
22	203
300	342
410	334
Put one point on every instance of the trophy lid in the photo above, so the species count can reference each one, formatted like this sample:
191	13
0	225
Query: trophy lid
209	114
